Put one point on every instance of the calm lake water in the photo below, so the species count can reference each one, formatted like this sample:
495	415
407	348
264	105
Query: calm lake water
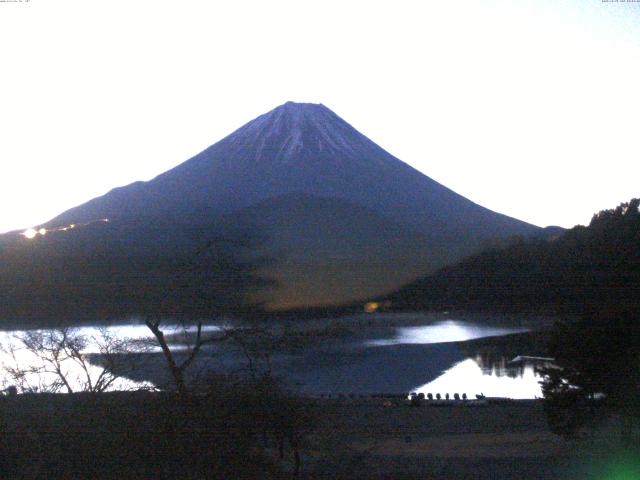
444	331
518	381
348	367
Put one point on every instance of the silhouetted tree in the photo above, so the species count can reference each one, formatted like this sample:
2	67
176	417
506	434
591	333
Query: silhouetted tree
219	280
56	359
598	358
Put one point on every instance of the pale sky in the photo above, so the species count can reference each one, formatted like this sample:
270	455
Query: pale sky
528	107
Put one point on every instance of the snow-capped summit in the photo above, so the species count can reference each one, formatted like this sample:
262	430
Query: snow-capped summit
300	131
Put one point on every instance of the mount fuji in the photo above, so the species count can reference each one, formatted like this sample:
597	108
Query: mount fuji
342	218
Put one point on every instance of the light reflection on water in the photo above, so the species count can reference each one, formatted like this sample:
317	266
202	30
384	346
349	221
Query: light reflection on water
470	378
446	331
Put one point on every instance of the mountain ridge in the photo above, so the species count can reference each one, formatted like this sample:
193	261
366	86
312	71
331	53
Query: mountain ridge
227	175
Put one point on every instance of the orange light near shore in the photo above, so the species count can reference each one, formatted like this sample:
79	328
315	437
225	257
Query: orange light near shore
371	307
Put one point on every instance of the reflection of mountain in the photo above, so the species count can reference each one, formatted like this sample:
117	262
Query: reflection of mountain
467	377
346	219
500	367
494	355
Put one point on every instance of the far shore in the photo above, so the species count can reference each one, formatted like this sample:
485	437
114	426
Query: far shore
354	318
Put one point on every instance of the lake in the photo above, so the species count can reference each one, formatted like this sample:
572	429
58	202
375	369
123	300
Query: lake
425	358
470	375
444	331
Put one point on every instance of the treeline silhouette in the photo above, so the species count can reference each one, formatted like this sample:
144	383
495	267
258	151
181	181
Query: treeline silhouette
595	372
584	267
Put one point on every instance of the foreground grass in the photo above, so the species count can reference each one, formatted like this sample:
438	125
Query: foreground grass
128	435
238	434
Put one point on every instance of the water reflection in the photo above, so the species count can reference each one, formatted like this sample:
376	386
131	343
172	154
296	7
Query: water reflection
446	331
504	379
501	367
34	374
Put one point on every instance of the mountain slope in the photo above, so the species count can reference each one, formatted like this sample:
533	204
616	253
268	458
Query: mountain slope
328	249
300	148
342	218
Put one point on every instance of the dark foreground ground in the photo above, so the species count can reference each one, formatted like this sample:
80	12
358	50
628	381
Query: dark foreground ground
497	441
237	435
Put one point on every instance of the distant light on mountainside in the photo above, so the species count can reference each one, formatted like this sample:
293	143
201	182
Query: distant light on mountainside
31	233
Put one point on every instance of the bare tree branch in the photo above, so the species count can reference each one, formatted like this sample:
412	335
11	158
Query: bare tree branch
57	359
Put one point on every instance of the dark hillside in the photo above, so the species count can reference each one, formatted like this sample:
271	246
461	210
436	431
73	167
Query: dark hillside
116	271
586	266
